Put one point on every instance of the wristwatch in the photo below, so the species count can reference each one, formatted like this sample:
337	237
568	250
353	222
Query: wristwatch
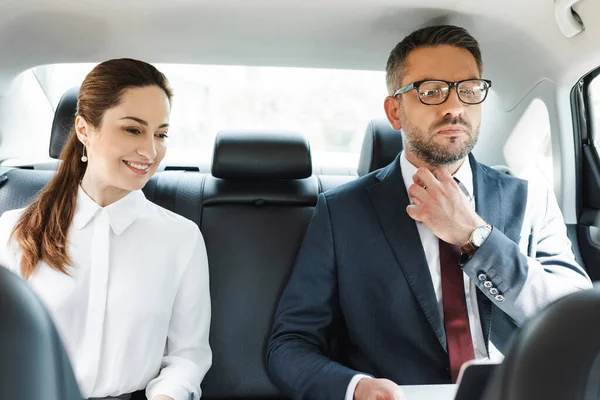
478	236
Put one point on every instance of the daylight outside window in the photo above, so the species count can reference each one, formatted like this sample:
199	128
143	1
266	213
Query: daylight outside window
330	107
594	91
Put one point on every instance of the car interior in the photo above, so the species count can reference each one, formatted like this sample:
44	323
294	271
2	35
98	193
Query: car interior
250	177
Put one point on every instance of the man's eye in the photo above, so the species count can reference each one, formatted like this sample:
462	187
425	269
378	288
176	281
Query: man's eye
430	93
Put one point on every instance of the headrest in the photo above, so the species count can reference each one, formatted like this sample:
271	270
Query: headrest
261	155
380	146
295	192
64	117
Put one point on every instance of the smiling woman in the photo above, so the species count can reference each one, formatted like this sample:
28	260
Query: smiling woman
131	138
115	306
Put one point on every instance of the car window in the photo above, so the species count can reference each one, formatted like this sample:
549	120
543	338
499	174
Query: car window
330	107
528	150
594	92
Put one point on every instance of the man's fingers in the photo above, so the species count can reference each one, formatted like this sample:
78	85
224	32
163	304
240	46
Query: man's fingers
394	390
417	193
424	178
399	394
418	180
413	212
442	175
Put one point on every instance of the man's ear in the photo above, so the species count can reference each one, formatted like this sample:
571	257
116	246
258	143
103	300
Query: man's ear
391	106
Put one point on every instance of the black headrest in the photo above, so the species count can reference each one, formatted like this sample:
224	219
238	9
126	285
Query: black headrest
34	363
556	355
296	192
380	146
261	155
64	117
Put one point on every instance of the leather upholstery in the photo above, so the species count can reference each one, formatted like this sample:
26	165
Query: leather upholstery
64	118
380	146
261	155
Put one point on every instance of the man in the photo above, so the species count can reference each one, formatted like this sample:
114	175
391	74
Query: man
432	261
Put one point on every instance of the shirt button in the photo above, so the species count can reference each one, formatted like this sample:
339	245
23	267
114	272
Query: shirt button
494	291
499	298
488	284
482	277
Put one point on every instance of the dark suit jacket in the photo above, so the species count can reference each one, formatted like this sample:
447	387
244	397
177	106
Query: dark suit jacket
361	299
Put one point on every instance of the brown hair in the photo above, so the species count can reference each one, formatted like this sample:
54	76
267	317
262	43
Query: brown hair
42	229
430	36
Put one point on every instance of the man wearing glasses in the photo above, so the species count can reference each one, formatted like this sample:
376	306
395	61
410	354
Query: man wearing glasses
434	260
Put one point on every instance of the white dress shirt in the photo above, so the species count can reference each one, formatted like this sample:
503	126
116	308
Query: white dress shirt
432	253
135	311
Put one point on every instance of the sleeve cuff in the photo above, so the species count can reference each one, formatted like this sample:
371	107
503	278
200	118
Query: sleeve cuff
352	385
169	388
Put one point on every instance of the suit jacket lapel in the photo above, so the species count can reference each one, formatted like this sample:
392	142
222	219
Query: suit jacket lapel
488	195
390	199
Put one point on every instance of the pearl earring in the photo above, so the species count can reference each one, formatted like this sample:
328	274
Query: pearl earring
84	157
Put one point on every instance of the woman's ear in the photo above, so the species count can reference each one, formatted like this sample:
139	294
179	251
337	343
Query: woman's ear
82	130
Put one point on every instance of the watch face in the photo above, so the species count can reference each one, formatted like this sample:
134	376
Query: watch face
479	235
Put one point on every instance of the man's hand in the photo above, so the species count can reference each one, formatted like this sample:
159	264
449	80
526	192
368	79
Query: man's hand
162	397
441	206
377	389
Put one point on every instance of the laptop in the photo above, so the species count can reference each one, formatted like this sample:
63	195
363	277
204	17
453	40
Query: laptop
473	379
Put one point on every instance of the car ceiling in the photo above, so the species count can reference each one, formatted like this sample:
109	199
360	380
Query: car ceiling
520	39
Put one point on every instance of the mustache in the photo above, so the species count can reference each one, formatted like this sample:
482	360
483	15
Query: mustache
448	120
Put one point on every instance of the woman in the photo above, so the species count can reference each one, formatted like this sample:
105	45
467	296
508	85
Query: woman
125	280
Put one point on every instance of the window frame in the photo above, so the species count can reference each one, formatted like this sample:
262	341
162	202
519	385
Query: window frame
583	131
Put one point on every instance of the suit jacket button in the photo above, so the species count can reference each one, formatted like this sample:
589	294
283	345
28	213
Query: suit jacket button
493	291
499	298
446	373
488	284
482	277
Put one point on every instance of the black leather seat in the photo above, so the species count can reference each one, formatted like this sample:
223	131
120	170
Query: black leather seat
64	118
380	146
556	354
34	364
256	208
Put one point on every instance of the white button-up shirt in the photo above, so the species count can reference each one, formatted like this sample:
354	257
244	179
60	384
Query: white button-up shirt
431	246
135	310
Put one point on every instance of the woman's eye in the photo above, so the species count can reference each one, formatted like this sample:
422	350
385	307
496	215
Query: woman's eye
162	135
133	131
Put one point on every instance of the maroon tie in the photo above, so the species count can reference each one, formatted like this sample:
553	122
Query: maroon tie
456	319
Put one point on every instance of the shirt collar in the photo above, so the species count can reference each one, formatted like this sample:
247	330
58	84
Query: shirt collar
121	214
464	173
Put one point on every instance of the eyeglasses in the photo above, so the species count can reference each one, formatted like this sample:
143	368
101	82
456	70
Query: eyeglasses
435	92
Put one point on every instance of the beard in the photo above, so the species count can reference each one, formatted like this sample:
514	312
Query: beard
424	145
